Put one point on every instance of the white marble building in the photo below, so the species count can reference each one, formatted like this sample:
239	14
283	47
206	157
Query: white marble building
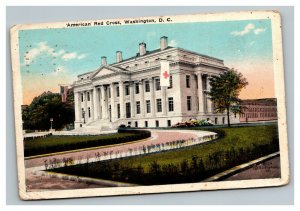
129	92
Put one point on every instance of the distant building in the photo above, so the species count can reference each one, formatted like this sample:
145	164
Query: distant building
65	91
259	110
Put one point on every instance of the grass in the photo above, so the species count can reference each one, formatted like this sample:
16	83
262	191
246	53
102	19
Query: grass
235	146
53	144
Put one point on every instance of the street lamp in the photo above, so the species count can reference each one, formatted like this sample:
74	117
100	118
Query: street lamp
51	120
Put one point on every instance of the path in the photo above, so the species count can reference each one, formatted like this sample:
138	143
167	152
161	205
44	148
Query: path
265	170
35	181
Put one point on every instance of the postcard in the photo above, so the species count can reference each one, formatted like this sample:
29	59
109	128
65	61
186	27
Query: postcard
149	105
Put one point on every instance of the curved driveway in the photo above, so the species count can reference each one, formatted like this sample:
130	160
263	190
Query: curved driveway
158	137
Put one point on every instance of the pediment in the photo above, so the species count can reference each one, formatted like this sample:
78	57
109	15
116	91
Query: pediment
103	71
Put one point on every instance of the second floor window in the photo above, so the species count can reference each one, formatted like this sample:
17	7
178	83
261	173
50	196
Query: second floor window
88	96
187	81
109	94
127	92
147	86
118	91
157	84
171	83
137	88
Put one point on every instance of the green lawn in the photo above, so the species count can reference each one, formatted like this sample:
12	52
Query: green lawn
52	144
235	146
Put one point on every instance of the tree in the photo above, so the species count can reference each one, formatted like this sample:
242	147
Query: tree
48	105
225	90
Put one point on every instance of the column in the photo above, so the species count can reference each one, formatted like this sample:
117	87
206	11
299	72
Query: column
209	103
103	102
96	103
133	105
85	107
100	102
77	101
163	100
195	94
112	102
200	94
152	103
142	94
122	103
92	104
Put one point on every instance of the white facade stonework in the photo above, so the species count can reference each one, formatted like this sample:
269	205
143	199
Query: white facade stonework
128	91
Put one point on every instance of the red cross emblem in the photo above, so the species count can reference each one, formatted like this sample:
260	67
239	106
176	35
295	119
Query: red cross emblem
166	75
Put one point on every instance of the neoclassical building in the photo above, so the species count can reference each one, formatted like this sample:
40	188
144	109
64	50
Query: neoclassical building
129	92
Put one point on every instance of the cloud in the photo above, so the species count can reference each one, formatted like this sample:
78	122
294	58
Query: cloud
43	48
81	56
173	43
248	28
259	30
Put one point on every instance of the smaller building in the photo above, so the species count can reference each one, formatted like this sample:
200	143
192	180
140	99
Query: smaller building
259	110
65	92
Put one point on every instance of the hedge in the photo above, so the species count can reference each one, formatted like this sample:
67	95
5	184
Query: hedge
63	143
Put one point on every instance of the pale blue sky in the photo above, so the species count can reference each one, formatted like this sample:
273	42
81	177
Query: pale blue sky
74	51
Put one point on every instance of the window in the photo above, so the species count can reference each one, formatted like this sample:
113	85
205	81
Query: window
156	123
82	112
146	123
171	83
187	78
81	97
137	88
169	123
216	120
189	103
147	86
136	124
148	107
118	111
89	109
118	91
127	92
171	104
88	96
138	107
157	84
158	105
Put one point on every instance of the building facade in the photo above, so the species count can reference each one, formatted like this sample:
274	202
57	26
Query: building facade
129	92
259	110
